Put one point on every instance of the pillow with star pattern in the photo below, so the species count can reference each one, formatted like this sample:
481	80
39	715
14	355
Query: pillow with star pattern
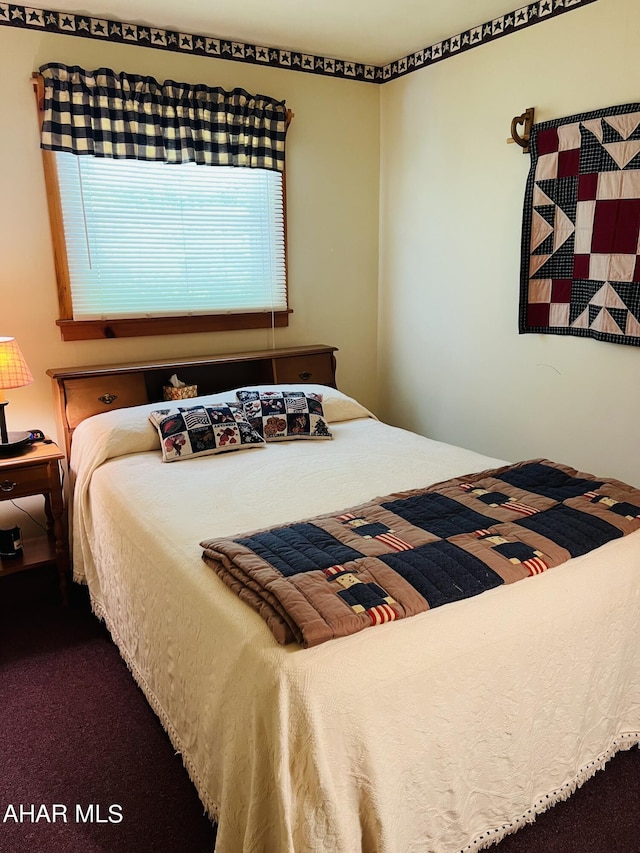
285	415
188	431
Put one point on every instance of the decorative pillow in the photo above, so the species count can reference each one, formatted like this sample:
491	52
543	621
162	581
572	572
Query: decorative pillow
285	415
188	431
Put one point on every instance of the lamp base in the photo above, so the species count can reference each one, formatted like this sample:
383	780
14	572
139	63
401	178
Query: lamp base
17	442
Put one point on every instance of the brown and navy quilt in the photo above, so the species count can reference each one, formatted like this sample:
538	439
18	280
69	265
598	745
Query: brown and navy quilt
405	553
580	269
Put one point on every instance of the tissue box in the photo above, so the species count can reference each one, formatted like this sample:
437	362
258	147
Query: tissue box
169	392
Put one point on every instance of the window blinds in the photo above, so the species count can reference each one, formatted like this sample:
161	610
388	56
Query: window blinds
146	238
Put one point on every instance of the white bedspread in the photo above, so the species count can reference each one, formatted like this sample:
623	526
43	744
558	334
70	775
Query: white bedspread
433	734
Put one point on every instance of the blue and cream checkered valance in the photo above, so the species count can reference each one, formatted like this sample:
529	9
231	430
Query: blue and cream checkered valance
126	116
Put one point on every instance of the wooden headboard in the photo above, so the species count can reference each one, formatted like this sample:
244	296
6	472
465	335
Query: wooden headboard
85	391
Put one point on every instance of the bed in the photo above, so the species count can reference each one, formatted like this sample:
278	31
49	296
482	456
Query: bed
441	732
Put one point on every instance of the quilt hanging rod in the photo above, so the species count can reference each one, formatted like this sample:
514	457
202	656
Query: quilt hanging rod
526	120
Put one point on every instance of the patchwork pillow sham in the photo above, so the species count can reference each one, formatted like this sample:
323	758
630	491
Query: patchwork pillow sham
188	431
285	415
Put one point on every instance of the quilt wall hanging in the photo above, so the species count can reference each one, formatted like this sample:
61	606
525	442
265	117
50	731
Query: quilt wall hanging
580	268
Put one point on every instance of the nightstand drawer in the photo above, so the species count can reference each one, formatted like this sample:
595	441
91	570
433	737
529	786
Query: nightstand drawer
25	481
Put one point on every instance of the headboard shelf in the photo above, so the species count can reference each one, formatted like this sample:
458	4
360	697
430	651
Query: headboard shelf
85	391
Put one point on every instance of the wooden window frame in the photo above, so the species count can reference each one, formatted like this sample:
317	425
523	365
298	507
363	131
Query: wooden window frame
83	330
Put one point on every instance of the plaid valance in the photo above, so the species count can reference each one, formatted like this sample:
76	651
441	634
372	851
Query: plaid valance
126	116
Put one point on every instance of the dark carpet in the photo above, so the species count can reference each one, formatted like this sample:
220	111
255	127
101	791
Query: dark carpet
77	733
75	730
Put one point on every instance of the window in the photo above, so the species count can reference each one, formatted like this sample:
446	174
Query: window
155	247
146	238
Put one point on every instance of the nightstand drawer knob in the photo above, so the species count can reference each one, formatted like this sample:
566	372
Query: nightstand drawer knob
107	399
305	375
7	486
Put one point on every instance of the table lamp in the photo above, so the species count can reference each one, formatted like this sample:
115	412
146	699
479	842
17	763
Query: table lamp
14	373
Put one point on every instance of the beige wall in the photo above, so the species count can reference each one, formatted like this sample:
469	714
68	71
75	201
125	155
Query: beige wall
452	364
332	196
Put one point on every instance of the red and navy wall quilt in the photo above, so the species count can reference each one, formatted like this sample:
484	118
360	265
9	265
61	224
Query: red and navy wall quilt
580	271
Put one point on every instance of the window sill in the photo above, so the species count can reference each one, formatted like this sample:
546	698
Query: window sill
86	330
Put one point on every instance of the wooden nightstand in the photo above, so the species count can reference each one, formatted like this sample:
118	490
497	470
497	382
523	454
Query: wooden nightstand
37	472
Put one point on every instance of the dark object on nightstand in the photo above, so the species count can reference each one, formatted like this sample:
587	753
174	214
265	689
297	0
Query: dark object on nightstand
10	542
16	441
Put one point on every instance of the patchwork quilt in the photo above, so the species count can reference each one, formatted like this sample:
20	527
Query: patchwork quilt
405	553
580	268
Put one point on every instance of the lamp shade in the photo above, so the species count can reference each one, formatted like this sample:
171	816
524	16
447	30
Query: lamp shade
14	372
